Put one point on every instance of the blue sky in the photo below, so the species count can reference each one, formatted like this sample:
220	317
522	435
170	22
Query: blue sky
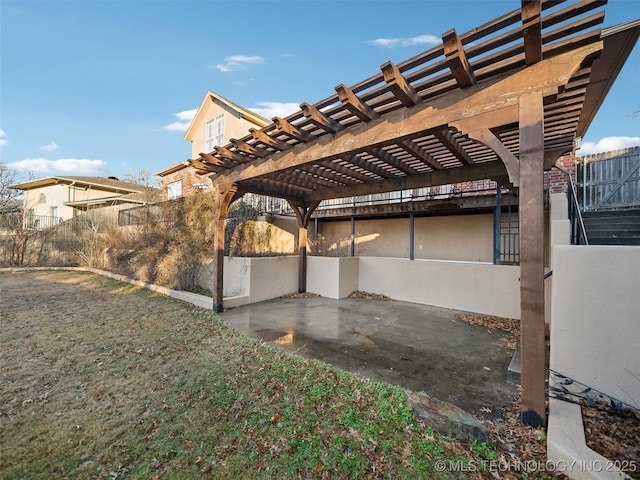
107	87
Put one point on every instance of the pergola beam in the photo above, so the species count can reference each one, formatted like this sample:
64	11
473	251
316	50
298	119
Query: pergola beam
532	30
273	142
200	165
445	136
421	154
224	152
293	131
389	159
446	176
399	86
457	59
485	101
243	146
356	106
320	119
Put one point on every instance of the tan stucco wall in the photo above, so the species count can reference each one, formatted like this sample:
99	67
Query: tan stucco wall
258	278
332	277
595	325
234	126
460	237
474	287
56	196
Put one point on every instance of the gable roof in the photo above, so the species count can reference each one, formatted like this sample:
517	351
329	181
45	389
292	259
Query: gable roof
108	184
245	113
172	169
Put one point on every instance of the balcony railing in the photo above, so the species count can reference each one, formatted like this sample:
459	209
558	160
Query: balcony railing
40	222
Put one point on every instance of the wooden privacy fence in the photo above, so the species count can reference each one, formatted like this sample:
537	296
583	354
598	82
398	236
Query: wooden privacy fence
610	181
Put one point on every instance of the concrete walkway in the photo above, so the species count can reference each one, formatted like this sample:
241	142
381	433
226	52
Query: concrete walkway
415	346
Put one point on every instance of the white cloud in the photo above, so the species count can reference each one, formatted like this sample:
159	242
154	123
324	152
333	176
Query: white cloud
184	119
49	148
405	42
75	166
3	141
236	62
608	144
275	109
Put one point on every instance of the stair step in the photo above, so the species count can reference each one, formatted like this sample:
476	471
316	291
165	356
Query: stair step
614	221
612	213
613	241
608	230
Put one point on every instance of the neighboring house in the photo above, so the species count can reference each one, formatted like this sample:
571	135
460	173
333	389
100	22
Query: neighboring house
216	122
180	180
50	200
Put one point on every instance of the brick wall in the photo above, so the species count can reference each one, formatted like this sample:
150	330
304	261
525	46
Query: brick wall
555	180
191	181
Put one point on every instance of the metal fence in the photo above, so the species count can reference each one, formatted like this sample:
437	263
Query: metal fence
19	221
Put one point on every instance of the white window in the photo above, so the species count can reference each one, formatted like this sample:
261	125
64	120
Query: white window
174	190
214	133
53	213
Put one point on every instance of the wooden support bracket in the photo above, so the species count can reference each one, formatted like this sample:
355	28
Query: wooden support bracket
486	137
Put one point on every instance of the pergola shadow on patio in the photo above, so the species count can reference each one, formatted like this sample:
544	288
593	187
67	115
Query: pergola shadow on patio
503	101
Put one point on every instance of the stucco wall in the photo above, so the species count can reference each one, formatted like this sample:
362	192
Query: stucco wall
57	195
595	324
234	126
459	237
272	277
475	287
332	277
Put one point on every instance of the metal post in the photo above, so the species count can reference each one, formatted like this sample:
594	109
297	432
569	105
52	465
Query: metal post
353	236
411	236
497	225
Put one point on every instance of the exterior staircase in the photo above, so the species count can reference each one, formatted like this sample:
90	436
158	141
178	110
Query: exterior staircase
614	227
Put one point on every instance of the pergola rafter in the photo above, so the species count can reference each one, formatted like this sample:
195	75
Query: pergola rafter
502	101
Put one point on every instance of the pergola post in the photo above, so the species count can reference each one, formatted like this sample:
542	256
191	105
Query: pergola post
222	200
533	400
303	214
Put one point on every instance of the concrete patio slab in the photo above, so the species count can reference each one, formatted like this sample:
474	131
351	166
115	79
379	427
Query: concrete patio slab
418	347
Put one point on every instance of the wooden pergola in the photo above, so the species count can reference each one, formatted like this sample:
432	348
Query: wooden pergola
503	101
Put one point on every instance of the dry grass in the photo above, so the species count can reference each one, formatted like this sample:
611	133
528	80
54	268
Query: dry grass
102	380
